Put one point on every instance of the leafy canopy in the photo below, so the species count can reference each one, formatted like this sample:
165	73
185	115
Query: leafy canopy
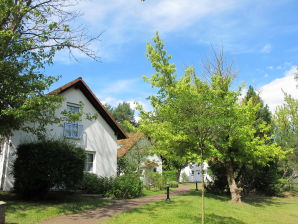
31	33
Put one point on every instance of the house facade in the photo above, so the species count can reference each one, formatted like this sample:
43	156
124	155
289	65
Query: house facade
192	173
97	136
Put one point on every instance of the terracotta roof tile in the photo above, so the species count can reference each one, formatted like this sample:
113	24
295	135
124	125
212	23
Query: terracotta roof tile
127	144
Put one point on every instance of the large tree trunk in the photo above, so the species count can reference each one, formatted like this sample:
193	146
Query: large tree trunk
234	189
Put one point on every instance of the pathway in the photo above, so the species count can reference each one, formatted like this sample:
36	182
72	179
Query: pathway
93	216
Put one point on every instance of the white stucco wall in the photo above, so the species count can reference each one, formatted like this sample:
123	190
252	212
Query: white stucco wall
155	158
98	137
193	173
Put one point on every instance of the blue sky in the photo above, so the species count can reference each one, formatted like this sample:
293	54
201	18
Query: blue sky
259	36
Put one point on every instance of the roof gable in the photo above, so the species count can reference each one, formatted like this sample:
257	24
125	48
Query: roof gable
80	84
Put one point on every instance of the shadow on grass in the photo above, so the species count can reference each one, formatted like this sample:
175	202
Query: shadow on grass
55	205
155	212
253	199
212	218
207	195
263	201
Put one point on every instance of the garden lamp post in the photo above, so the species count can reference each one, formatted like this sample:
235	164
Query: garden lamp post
168	192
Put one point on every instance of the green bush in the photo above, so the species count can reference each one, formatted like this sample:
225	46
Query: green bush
41	166
173	184
155	180
185	178
92	184
126	186
255	178
170	175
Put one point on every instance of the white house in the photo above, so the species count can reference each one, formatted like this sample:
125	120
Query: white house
192	173
97	136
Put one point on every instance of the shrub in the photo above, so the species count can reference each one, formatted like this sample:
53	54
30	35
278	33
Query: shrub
43	165
173	184
155	179
184	177
92	184
255	178
170	175
126	186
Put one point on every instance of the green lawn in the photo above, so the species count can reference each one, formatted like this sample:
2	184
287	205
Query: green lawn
185	209
22	212
152	192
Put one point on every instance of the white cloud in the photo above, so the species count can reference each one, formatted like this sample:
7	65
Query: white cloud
119	86
270	67
125	21
272	93
267	48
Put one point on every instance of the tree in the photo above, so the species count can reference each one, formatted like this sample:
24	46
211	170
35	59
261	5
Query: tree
124	115
206	115
31	33
251	176
286	133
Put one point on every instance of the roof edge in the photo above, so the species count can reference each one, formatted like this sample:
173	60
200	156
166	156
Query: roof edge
80	83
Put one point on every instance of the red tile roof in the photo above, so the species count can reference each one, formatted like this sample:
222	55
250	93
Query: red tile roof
127	144
80	84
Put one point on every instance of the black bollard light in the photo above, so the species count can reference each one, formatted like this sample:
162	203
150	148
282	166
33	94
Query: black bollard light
197	186
168	193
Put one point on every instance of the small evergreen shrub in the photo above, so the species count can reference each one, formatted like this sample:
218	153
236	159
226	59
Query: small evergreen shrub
126	186
184	177
43	165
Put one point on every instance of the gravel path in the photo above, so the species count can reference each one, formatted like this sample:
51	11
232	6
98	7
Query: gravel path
93	216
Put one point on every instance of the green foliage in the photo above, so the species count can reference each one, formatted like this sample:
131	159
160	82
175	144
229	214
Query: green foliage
122	187
174	184
286	134
92	184
170	175
131	162
41	166
31	33
155	180
262	178
124	115
185	178
196	120
126	186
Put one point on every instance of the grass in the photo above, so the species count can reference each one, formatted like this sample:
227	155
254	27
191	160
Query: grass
153	192
24	212
185	209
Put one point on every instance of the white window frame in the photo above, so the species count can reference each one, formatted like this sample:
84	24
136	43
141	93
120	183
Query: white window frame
93	162
72	129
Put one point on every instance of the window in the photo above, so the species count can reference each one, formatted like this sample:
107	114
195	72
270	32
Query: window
73	108
192	172
89	162
72	129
